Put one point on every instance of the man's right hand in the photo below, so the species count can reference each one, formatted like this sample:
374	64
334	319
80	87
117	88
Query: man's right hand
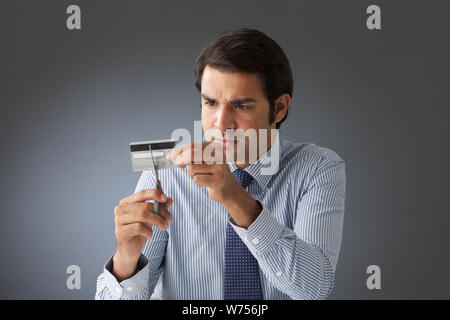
134	218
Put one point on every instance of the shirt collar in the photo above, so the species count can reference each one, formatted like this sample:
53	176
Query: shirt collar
262	169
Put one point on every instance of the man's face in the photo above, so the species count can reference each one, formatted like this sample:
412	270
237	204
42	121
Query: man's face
232	100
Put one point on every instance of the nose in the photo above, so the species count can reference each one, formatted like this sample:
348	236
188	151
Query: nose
224	118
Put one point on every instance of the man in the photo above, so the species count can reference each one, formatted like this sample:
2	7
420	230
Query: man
230	231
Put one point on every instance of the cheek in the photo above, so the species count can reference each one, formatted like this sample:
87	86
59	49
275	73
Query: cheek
250	121
207	121
209	117
264	117
203	114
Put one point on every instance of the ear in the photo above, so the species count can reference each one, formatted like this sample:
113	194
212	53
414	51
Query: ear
281	106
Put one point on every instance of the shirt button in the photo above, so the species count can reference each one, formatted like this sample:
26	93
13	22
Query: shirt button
245	238
279	274
118	289
255	241
129	289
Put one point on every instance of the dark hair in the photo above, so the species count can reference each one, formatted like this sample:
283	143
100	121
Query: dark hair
251	51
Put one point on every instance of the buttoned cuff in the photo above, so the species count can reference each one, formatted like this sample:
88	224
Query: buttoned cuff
262	233
131	287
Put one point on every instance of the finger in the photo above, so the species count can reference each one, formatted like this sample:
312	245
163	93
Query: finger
145	217
175	152
134	206
169	202
213	153
181	162
199	168
131	207
189	156
126	232
188	153
146	194
165	214
204	180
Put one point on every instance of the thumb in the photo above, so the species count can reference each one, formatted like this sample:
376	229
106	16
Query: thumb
169	202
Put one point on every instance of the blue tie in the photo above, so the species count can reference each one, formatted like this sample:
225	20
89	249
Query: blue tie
242	281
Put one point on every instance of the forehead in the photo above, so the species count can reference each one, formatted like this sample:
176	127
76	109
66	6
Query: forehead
217	83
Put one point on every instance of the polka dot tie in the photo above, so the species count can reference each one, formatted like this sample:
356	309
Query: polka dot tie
242	280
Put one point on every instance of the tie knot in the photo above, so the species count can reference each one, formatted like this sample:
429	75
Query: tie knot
242	177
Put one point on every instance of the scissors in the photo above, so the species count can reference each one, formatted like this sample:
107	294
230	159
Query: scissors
158	183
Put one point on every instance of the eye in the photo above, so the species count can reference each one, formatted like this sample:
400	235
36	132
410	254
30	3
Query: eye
209	103
241	106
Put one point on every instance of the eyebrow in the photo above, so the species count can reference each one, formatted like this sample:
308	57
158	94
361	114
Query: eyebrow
234	101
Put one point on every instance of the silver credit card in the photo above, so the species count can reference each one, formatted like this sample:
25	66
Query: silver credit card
141	156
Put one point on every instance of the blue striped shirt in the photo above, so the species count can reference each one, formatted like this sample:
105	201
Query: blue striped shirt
296	238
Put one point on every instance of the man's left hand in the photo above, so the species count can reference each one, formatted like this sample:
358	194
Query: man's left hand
218	178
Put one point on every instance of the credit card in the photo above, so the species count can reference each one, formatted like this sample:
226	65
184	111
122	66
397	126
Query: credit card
141	156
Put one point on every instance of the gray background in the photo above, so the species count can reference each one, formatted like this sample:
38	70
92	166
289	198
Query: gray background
71	101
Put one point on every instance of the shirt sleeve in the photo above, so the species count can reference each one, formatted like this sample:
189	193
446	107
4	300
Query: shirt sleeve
149	267
301	262
134	288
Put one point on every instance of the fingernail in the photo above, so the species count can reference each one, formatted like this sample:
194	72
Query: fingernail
163	197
